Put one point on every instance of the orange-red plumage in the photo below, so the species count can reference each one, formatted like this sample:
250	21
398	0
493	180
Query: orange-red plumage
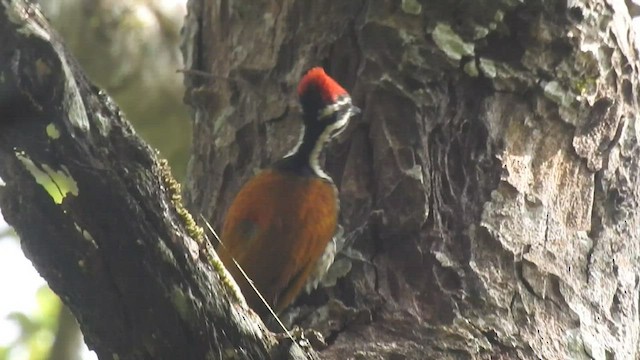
278	251
329	89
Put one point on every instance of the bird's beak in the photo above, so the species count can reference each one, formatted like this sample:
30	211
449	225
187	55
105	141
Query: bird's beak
355	110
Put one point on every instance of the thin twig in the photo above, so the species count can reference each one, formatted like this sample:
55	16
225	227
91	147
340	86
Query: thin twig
244	274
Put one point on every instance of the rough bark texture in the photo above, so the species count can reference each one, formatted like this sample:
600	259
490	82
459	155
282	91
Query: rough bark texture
491	183
129	48
100	217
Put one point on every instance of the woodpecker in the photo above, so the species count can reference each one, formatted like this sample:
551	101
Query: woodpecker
280	226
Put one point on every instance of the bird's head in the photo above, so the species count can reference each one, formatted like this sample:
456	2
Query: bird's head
325	104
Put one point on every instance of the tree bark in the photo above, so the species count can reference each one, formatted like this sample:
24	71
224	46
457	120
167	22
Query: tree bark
101	217
490	185
106	37
489	190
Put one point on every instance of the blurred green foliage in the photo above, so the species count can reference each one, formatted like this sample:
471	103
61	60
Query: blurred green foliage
37	330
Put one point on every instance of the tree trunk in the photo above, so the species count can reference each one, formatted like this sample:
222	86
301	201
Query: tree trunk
101	217
489	190
490	184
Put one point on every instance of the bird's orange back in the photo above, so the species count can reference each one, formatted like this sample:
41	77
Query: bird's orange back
276	228
280	223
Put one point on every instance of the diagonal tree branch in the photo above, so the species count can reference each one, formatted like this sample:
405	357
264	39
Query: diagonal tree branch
101	218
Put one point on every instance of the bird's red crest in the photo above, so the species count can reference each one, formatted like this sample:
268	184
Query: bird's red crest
328	88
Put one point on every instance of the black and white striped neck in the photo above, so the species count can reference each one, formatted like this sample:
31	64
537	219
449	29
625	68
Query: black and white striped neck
304	159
